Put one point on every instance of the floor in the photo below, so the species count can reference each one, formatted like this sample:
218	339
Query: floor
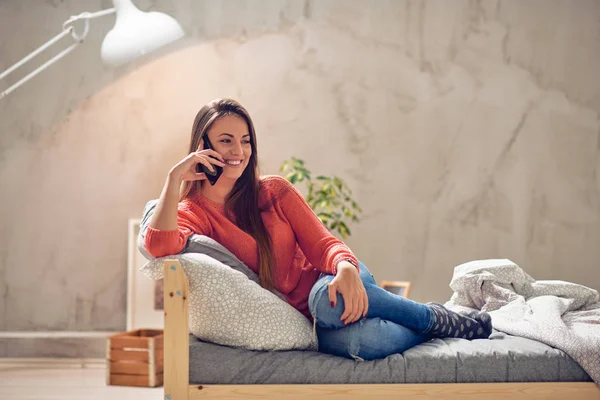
56	379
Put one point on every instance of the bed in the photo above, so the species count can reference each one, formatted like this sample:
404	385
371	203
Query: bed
503	367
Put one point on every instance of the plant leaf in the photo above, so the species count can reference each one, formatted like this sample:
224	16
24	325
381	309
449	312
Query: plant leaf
330	200
324	217
343	229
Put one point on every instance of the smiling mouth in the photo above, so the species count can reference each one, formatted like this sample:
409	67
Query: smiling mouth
234	163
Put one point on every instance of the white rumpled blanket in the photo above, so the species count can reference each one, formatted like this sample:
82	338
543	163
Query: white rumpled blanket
560	314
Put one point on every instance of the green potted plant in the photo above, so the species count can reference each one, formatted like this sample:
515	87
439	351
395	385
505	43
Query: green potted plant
329	197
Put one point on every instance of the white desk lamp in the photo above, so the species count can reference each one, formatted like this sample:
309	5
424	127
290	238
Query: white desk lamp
135	33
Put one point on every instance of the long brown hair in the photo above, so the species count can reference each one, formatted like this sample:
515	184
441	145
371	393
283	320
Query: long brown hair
242	202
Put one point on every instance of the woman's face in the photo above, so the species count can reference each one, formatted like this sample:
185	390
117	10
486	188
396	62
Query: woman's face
230	137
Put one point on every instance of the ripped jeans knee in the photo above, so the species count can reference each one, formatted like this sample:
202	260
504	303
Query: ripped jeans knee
320	306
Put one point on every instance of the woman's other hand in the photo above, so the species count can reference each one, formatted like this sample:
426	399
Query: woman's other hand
347	282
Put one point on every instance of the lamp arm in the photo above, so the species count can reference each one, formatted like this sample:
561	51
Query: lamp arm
67	29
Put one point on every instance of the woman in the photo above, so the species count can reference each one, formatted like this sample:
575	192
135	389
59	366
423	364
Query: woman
267	224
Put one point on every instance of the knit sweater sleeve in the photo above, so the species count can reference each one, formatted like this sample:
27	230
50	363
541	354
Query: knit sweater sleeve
160	243
323	250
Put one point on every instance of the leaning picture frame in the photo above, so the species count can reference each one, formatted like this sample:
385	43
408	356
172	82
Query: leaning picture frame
144	295
401	288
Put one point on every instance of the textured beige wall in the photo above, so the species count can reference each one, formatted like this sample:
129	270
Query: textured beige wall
467	130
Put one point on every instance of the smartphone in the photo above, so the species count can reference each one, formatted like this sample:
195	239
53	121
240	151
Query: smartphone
210	175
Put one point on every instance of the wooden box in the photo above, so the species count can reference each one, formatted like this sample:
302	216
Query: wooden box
135	358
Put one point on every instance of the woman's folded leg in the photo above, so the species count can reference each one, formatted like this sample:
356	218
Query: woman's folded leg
432	319
382	304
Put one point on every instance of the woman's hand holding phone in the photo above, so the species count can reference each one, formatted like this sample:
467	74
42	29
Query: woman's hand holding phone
186	169
213	173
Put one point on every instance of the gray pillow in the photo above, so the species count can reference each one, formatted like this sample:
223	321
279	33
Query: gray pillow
226	308
200	244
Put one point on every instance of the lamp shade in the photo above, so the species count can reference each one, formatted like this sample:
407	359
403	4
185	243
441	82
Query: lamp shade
137	33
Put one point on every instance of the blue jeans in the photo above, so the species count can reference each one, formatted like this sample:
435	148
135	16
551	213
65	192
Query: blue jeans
393	323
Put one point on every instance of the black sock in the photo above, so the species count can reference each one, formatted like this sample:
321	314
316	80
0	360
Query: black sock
447	323
484	319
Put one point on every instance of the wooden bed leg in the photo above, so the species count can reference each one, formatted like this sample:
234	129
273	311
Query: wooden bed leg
176	334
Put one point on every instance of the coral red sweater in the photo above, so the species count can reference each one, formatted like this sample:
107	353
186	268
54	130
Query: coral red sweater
301	245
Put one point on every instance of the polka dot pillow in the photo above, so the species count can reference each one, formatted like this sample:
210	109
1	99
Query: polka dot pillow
227	308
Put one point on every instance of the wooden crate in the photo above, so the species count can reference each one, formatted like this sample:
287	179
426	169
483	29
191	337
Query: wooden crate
135	358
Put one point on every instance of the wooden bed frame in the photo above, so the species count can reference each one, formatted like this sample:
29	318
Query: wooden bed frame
177	386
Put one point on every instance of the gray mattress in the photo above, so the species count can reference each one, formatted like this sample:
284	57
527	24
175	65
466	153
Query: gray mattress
502	358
